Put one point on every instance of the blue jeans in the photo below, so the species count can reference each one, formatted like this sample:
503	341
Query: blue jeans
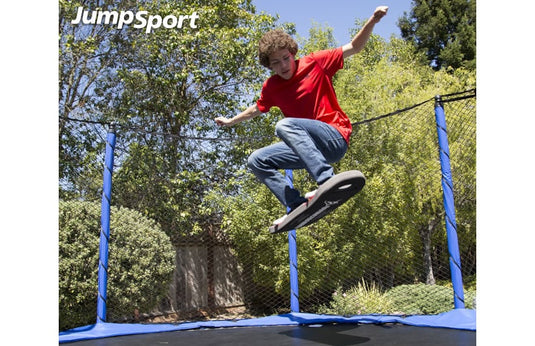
306	143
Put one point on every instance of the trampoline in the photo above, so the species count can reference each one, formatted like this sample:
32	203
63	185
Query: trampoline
455	327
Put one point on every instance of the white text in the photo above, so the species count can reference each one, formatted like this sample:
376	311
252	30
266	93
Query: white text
123	18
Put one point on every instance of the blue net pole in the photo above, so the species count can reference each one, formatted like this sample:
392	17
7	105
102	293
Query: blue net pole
105	227
292	249
449	206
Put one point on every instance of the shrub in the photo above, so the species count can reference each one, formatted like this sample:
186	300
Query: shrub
422	299
362	299
140	263
417	299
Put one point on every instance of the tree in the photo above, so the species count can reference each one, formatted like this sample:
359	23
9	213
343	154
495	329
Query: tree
163	89
399	154
445	30
173	86
320	37
87	53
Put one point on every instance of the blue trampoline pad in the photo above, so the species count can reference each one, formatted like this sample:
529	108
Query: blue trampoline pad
455	322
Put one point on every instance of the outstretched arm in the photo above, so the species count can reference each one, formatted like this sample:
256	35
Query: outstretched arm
247	114
359	41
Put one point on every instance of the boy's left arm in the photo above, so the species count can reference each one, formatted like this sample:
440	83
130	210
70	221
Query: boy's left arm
359	41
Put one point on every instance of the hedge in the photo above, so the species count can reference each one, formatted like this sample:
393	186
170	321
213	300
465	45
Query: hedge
141	262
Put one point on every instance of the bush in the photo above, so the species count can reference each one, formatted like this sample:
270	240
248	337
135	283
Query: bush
422	299
362	299
141	261
417	299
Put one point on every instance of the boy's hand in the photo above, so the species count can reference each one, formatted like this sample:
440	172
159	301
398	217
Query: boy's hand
249	113
379	13
222	121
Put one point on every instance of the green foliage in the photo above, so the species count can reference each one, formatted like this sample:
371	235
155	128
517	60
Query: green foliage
87	53
320	37
445	30
422	299
160	88
141	260
263	256
178	82
416	299
402	201
362	299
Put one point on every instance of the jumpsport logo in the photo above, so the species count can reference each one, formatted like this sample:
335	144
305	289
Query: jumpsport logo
123	18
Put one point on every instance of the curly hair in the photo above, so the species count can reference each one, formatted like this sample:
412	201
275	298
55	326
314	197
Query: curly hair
273	41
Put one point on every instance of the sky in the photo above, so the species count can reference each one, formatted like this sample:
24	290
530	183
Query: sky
338	14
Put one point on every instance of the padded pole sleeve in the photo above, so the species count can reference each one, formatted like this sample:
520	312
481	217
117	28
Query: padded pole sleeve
105	227
449	206
292	250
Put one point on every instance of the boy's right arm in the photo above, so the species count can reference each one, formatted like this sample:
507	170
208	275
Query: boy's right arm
359	41
247	114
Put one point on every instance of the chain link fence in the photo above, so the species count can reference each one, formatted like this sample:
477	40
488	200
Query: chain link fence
385	251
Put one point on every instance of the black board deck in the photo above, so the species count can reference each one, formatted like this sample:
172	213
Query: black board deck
329	196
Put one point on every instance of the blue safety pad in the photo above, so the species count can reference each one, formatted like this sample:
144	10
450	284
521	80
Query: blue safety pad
456	319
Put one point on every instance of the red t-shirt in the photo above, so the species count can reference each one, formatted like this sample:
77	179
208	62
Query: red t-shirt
310	92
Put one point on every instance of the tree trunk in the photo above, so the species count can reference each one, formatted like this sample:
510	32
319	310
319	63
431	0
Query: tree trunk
426	233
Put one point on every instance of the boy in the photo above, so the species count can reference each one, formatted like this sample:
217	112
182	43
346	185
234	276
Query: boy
315	131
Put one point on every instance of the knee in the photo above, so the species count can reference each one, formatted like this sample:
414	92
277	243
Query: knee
253	161
283	126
